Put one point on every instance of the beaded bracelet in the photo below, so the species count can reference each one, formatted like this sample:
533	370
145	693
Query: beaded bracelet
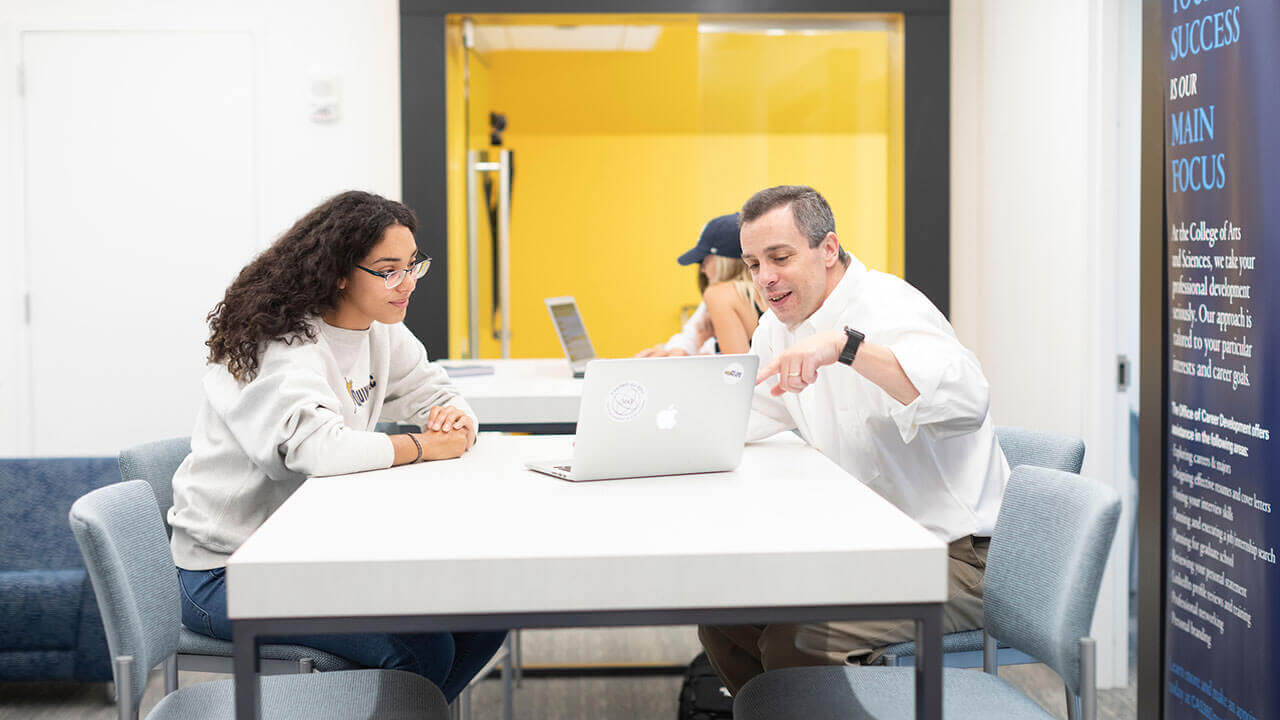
417	445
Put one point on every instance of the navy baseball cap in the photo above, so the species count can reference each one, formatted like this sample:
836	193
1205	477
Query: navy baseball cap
719	237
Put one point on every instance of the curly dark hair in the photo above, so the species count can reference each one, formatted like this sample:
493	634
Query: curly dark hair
297	278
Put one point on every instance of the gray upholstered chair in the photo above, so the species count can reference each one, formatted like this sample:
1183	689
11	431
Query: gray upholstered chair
1043	571
122	539
155	463
1021	447
1046	450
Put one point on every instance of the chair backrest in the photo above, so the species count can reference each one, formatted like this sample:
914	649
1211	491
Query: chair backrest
1045	564
1046	450
126	552
156	462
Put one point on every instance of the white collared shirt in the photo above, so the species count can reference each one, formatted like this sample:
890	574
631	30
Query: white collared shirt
937	458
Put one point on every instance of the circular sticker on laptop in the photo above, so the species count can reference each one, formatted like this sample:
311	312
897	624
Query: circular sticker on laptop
625	401
733	373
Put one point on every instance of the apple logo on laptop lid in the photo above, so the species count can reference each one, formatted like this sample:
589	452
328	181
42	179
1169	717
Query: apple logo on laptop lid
666	419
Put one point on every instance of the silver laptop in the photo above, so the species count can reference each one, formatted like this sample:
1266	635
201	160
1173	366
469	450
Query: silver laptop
572	333
660	416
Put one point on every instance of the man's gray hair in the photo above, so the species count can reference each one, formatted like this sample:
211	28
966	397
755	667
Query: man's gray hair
809	210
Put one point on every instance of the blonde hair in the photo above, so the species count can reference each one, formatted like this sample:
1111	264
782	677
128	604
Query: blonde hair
730	270
723	269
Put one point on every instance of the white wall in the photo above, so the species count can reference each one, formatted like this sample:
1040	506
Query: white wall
1044	235
298	162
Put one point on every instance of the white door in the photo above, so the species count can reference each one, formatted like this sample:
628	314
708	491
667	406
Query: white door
140	206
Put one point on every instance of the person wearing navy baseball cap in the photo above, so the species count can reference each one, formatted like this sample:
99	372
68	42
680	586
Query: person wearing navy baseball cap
729	312
719	237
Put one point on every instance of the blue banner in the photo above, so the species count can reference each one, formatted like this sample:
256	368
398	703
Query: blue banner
1222	200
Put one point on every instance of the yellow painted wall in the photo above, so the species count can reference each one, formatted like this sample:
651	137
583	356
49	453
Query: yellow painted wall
621	157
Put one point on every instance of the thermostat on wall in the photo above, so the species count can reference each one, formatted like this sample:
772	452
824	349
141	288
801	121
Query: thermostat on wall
325	97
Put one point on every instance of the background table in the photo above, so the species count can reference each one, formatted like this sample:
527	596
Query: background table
480	543
538	396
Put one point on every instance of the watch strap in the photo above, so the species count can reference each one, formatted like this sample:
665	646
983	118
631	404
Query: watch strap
852	341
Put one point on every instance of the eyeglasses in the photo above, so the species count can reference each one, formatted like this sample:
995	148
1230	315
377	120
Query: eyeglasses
392	278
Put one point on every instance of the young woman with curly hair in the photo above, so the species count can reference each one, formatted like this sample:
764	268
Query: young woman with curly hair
307	352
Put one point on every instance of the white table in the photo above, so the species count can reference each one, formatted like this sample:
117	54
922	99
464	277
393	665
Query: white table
480	543
522	395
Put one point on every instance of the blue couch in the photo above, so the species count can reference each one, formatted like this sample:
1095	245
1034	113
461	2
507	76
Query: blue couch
50	628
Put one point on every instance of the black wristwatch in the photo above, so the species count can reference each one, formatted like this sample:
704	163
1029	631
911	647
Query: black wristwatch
851	344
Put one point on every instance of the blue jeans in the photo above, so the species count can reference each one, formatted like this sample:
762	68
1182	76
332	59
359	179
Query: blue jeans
449	660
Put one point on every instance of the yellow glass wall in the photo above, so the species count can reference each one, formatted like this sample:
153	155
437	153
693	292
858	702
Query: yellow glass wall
622	156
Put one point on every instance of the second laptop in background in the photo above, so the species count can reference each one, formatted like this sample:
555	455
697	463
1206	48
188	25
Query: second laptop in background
572	333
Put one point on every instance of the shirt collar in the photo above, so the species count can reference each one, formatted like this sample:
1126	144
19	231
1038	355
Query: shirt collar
841	296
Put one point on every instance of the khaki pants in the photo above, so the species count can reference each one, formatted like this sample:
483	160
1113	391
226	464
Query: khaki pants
740	652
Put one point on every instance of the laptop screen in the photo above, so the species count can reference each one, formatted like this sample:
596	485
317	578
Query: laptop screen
573	334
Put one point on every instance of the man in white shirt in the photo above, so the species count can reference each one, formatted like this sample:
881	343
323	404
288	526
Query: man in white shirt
869	372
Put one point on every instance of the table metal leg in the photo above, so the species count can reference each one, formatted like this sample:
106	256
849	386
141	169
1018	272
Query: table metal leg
517	661
244	664
929	664
508	685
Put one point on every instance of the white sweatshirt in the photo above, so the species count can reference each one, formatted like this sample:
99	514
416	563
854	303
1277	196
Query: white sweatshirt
255	443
